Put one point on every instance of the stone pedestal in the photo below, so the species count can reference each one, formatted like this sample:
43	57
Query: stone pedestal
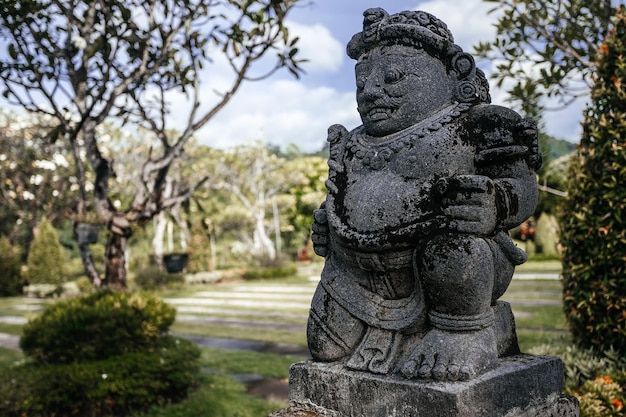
522	386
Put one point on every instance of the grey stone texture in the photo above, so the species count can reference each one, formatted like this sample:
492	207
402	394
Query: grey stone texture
523	385
420	199
406	320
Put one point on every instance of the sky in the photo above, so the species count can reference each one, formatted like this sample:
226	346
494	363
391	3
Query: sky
283	110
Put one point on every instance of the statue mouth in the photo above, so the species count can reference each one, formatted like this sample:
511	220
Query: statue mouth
379	113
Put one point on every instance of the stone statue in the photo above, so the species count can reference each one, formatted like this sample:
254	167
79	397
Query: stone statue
420	199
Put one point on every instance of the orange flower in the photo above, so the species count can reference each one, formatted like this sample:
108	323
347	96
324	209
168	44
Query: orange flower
604	379
604	49
617	404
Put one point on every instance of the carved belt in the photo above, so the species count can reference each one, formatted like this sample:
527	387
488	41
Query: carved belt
375	261
406	314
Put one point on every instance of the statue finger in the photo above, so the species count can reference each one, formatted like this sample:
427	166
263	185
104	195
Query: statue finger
320	216
477	183
320	228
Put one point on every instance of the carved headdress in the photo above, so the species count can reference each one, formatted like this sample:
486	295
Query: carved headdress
421	30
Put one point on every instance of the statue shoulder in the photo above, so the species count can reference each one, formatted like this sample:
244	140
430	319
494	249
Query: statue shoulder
337	139
491	116
501	133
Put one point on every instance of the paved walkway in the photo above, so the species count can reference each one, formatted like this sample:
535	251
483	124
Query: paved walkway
269	306
9	341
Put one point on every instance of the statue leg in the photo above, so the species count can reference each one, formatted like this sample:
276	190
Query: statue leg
457	272
332	332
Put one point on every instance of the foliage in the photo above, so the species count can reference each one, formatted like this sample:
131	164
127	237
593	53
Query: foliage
601	397
45	257
152	278
83	284
308	190
593	223
547	48
597	381
547	236
111	386
11	266
96	327
554	176
35	176
255	178
270	272
87	63
201	248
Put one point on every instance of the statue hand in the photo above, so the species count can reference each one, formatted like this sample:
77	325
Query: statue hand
320	231
469	202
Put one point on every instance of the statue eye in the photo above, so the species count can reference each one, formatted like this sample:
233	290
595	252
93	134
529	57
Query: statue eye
393	75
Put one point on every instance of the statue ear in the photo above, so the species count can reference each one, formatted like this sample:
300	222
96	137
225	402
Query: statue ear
465	68
464	65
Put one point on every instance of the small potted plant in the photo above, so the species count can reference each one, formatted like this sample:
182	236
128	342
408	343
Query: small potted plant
87	228
175	262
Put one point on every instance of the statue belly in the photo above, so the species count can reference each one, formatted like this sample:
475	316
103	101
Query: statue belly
382	200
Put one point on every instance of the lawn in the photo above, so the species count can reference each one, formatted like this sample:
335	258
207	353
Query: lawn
536	304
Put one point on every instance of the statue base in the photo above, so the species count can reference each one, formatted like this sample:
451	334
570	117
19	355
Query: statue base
522	386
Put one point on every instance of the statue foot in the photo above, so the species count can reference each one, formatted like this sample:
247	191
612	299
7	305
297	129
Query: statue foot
445	355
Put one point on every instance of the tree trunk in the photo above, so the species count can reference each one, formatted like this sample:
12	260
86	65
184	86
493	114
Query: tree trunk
160	222
115	275
261	241
89	265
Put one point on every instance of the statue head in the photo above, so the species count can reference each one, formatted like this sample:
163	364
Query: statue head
408	68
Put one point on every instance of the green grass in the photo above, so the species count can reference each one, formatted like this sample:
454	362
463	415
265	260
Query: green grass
540	266
8	357
220	395
217	396
233	362
15	329
528	339
244	333
543	317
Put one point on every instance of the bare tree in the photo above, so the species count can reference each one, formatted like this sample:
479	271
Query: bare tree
88	61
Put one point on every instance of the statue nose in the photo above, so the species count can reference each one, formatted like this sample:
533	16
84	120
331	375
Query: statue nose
373	88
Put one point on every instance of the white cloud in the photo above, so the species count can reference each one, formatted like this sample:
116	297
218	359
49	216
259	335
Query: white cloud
281	112
278	110
316	43
469	21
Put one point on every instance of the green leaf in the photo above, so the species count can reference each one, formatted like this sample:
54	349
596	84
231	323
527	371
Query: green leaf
12	51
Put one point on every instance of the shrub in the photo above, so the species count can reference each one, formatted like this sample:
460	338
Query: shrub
594	218
45	257
152	278
83	284
10	265
547	235
597	381
96	327
600	397
113	386
269	272
200	257
104	354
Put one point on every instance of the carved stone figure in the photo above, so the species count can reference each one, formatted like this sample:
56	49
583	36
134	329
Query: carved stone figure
420	199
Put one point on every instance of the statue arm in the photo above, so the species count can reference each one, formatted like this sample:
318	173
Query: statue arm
337	136
509	156
502	192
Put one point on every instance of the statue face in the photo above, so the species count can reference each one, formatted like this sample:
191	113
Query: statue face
399	86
